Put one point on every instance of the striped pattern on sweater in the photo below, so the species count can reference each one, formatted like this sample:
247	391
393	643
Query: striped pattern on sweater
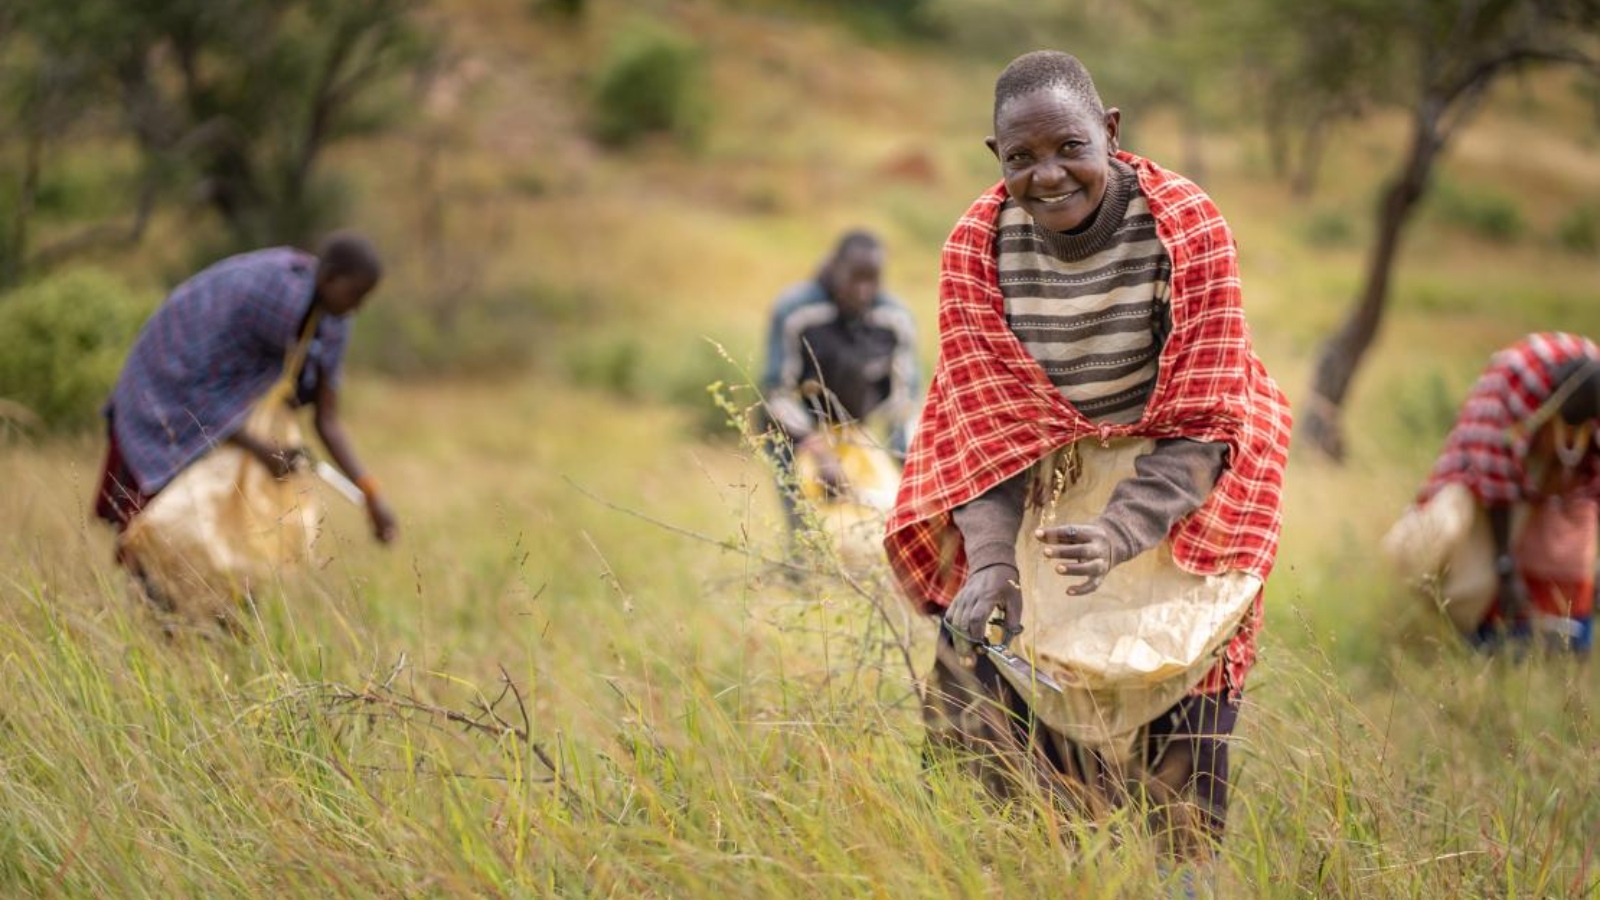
1091	308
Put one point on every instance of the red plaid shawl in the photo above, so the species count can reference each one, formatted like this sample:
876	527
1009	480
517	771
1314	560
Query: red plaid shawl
991	412
1488	447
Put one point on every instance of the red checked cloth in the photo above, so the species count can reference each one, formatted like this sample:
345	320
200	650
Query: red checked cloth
1488	448
991	411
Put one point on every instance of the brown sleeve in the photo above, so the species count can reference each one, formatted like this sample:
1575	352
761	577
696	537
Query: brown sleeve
1168	483
989	524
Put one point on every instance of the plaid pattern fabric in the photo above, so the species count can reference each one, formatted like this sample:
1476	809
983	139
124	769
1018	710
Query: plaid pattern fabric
1487	449
991	412
214	347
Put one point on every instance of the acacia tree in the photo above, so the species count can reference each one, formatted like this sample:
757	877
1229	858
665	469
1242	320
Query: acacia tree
235	98
1436	59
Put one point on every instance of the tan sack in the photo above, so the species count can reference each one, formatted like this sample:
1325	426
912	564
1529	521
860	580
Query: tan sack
1127	652
224	524
1444	549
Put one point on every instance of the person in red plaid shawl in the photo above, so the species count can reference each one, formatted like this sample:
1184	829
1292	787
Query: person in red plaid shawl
1097	413
1524	446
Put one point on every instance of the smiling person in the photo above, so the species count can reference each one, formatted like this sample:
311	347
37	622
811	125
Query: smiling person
1095	479
215	348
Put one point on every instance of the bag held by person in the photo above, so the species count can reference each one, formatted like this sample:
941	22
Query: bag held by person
1126	653
225	524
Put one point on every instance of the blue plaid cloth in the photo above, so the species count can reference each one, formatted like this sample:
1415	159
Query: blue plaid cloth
212	349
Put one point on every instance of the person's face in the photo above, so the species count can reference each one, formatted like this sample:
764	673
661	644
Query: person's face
855	278
1055	156
344	293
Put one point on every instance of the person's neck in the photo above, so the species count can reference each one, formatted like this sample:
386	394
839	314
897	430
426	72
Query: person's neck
1097	231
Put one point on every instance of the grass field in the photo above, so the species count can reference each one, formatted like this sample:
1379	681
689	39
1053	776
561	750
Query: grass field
580	671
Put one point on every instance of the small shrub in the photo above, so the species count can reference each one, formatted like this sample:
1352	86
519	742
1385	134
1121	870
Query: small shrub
1579	230
564	9
62	343
1328	228
693	381
651	82
611	365
1425	408
483	334
1485	214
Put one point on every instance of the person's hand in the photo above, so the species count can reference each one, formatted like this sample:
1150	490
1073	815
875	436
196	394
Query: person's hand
385	526
282	461
1513	597
829	471
1079	550
991	587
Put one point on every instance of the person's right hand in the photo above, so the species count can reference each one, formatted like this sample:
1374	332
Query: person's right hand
991	587
281	461
829	471
1513	598
385	526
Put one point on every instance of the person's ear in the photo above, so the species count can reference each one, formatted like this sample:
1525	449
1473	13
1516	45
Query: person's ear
1113	128
993	145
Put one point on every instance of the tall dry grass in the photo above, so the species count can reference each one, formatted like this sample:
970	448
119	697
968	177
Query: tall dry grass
579	674
582	674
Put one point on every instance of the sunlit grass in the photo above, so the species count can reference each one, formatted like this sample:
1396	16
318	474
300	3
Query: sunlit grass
686	719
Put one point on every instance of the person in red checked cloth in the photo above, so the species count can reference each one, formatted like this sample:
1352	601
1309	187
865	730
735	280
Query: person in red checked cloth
1097	413
1524	457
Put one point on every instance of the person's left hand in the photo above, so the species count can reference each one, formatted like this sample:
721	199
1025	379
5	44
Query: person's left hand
385	526
1081	550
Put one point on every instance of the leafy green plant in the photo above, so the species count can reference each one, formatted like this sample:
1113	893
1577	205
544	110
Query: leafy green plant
1579	230
62	342
650	82
1328	228
1478	211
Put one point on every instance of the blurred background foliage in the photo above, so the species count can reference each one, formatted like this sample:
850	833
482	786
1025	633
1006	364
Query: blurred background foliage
564	185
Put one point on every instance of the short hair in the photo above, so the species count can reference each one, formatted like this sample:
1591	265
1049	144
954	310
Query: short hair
1578	389
1043	69
349	253
853	240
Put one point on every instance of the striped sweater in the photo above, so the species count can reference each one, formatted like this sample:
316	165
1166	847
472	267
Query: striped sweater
1092	307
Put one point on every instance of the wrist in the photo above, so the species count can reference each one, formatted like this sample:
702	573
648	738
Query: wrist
992	553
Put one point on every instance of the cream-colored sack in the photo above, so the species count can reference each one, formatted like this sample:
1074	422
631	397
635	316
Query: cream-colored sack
1126	653
225	525
854	522
1444	549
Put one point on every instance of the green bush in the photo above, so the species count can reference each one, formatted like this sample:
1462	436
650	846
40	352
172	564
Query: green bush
650	82
1579	230
1328	228
1485	214
487	333
571	10
62	343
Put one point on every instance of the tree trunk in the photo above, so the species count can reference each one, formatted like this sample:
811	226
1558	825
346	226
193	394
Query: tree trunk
1340	355
1304	180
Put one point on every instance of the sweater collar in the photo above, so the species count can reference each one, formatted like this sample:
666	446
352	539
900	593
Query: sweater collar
1107	219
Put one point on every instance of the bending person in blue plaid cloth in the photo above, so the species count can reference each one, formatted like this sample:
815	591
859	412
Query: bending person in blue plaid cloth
215	347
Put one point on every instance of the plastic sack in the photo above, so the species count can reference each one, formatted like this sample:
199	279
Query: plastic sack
1444	550
1126	653
225	524
854	521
